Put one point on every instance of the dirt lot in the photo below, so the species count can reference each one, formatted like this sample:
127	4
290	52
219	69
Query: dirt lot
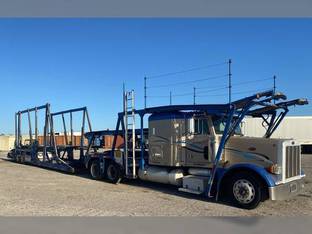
28	190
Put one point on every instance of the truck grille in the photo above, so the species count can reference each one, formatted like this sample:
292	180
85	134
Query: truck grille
292	161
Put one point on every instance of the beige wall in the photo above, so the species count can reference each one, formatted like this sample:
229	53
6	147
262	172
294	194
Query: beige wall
6	143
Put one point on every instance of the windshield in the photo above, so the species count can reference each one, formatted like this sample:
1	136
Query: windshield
219	125
201	126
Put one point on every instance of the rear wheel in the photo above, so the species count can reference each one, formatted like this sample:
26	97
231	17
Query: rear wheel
113	173
18	158
22	160
95	170
245	190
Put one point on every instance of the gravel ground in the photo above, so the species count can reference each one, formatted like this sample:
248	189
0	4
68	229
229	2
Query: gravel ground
33	191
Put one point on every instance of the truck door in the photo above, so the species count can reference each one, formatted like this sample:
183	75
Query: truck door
199	144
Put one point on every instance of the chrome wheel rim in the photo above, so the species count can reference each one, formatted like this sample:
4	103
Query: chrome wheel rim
244	191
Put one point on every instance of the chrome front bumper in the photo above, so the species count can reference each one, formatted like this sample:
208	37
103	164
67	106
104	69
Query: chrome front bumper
287	190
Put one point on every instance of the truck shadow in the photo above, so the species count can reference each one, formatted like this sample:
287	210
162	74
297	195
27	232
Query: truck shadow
146	186
171	190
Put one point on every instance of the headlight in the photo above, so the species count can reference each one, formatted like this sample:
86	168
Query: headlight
274	169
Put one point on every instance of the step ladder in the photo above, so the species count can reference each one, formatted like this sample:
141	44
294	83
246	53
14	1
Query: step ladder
129	136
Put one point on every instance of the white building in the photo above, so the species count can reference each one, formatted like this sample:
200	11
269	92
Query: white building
295	127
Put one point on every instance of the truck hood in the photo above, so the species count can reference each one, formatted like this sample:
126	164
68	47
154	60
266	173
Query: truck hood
253	149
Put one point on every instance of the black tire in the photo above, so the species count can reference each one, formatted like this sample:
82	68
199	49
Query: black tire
113	173
22	160
95	170
245	190
18	158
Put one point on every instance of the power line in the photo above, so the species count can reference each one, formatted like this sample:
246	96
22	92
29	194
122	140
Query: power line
186	70
213	87
182	94
235	84
211	90
187	82
250	91
213	95
251	81
242	92
160	96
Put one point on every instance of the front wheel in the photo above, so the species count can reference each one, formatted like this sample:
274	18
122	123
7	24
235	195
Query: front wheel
245	190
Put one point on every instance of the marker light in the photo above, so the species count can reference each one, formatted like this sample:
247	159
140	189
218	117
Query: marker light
274	169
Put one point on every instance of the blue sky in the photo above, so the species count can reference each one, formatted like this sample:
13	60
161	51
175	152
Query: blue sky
83	62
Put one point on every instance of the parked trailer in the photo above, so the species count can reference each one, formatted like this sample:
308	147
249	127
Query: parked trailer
292	127
49	154
200	149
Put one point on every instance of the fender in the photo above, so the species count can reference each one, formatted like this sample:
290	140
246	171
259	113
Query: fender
266	176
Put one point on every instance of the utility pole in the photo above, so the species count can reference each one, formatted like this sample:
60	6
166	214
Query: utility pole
194	96
230	81
145	92
123	90
170	98
274	87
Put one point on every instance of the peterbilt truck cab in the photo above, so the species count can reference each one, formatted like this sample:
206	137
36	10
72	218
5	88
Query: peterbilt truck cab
250	170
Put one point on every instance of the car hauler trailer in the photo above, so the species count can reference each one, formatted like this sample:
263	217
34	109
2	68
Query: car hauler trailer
200	149
49	154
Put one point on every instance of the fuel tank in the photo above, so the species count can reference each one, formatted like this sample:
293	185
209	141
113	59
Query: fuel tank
162	175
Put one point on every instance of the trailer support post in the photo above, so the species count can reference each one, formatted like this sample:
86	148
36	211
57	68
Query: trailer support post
36	124
65	130
19	129
15	142
142	143
82	134
115	137
71	129
88	120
